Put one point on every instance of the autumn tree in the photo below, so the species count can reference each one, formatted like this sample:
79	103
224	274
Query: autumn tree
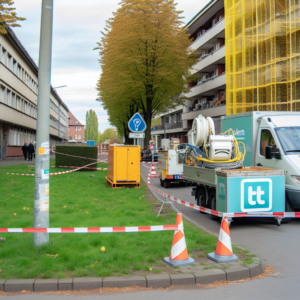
8	16
144	59
91	126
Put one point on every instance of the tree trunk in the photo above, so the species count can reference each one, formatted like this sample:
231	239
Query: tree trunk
148	118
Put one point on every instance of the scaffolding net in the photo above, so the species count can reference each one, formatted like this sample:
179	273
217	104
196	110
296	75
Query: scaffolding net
262	55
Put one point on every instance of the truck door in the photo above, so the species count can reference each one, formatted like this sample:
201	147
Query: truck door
267	138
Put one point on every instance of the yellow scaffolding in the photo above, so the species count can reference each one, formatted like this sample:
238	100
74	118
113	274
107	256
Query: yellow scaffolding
262	55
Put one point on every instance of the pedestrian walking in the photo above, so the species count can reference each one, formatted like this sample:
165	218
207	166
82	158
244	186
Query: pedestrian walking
30	151
25	150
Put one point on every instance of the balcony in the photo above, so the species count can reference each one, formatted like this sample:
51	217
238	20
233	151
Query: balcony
216	31
168	128
211	84
208	112
211	59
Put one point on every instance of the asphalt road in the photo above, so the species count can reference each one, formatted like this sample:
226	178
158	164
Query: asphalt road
276	246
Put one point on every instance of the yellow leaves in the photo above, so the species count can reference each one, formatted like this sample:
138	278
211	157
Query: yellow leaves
102	249
25	208
87	212
150	269
65	206
15	214
53	256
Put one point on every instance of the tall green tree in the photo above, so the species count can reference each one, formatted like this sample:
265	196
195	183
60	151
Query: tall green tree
8	16
91	126
144	59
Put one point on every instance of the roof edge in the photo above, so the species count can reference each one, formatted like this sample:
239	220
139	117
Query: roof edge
200	13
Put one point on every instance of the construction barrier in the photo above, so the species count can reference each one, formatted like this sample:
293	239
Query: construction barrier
77	167
93	229
280	215
53	174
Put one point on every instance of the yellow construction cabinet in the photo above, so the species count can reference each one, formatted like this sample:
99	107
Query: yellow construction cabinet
123	166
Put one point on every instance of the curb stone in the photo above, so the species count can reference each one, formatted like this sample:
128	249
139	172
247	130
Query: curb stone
46	285
210	276
156	281
121	282
255	269
2	285
237	273
65	284
182	279
87	283
18	285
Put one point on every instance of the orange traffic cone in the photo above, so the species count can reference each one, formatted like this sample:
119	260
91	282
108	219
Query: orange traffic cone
152	173
179	254
224	249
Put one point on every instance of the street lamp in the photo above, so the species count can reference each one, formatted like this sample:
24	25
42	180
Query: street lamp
59	87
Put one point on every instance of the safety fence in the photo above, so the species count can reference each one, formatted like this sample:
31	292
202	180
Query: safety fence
66	167
94	229
222	214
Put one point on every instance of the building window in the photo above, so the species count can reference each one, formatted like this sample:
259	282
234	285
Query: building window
75	128
75	137
79	137
76	122
79	128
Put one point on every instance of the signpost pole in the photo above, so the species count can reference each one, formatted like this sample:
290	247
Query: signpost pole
41	197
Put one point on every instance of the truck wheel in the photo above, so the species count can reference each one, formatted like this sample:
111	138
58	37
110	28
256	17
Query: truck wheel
212	199
161	182
166	183
201	197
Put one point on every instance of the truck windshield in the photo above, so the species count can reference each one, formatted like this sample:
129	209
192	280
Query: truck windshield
289	138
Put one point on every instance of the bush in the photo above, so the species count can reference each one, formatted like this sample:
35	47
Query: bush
83	151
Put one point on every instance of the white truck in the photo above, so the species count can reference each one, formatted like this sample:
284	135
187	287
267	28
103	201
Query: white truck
272	140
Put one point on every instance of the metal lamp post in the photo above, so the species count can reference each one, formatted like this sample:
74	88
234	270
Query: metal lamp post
41	197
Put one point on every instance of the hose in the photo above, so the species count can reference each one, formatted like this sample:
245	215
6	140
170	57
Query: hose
193	155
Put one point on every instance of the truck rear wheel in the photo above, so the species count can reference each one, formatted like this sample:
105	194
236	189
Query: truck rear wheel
201	197
161	182
212	199
166	183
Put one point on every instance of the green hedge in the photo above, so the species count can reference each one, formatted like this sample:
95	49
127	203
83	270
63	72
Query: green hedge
83	151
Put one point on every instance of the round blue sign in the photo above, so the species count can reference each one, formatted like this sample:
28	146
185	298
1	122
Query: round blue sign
137	123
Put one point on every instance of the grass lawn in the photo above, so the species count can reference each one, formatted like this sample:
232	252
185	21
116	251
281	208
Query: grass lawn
77	200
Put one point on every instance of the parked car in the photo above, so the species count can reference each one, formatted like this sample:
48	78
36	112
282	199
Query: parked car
149	158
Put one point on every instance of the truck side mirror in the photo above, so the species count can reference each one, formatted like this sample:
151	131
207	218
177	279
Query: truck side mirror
278	154
268	152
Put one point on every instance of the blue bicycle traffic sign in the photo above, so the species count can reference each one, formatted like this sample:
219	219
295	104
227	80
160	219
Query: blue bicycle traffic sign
137	123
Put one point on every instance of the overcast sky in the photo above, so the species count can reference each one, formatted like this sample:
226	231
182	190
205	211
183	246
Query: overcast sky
77	26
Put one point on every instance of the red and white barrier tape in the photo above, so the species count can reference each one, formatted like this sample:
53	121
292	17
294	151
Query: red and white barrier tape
222	214
93	229
97	160
77	167
52	174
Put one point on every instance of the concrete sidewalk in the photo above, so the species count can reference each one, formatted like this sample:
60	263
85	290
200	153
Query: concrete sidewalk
15	162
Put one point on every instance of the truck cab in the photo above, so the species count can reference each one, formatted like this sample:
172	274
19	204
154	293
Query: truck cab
272	140
278	147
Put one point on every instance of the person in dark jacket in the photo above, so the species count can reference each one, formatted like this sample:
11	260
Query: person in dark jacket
25	150
30	151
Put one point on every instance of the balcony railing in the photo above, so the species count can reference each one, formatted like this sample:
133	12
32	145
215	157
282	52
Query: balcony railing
209	54
167	126
206	31
204	107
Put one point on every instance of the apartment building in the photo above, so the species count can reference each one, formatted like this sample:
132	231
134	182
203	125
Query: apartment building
207	94
76	129
18	100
